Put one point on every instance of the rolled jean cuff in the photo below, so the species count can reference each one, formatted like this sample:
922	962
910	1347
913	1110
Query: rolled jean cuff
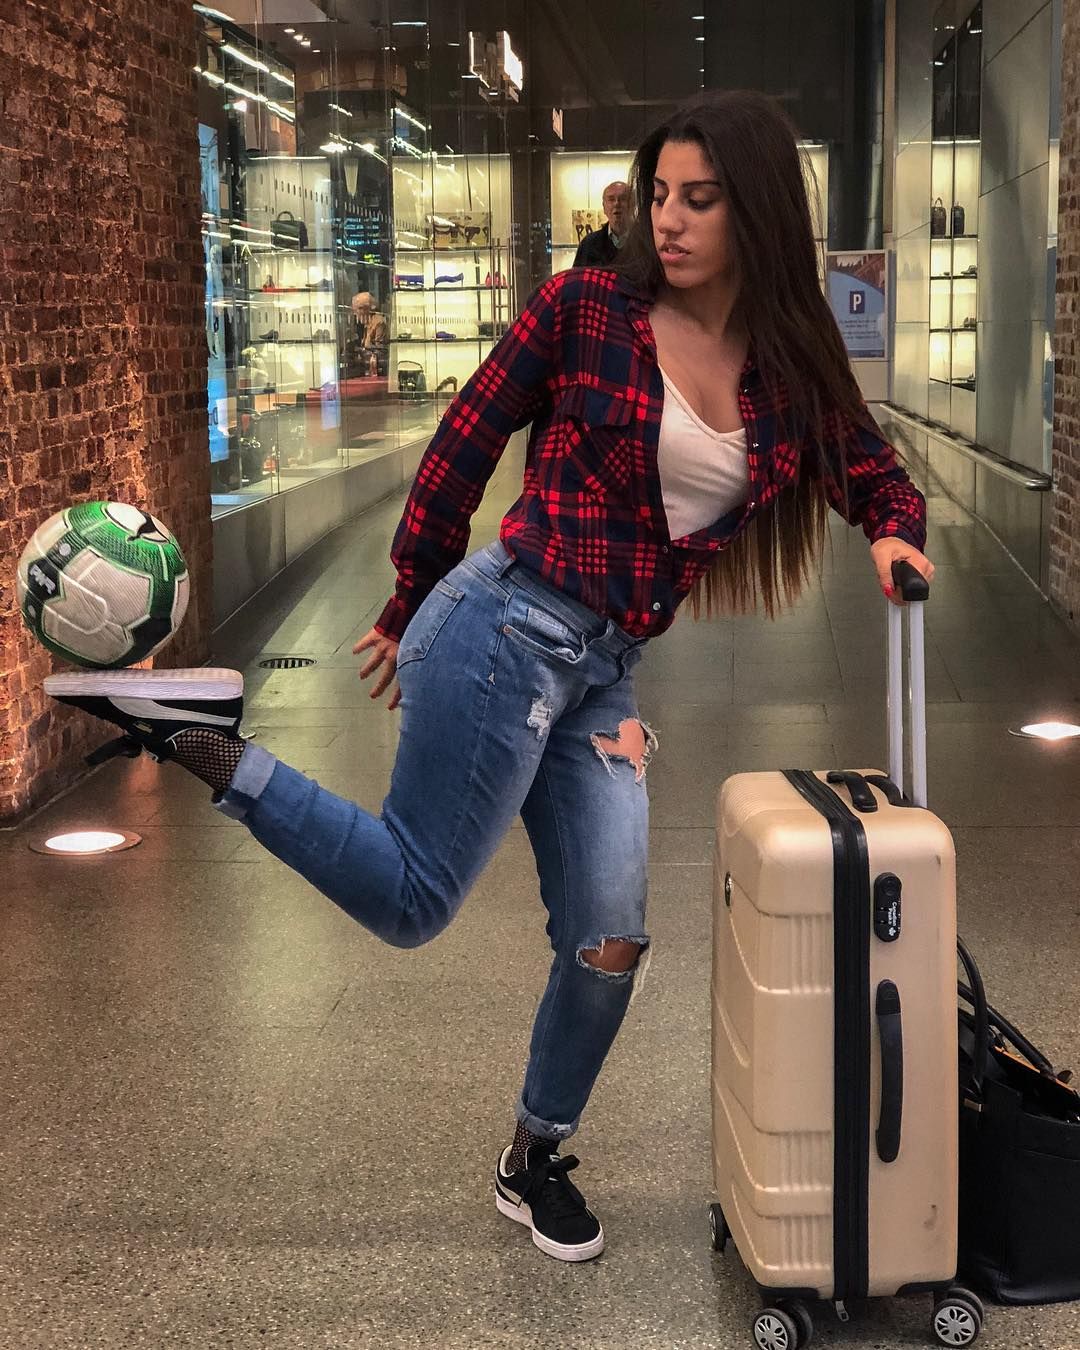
248	783
545	1129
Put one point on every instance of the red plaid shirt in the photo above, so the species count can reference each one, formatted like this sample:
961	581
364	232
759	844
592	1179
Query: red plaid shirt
580	365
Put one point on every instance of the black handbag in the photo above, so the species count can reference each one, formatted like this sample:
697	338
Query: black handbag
958	222
939	220
288	232
411	378
1019	1160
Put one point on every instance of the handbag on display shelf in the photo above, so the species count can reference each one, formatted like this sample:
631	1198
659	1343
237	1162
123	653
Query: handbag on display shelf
939	220
958	221
411	378
288	232
1019	1159
442	232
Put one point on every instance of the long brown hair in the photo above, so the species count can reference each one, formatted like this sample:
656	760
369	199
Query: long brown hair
797	346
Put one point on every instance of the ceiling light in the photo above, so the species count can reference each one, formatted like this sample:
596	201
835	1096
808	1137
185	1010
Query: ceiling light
699	38
83	843
306	42
1048	731
332	148
698	18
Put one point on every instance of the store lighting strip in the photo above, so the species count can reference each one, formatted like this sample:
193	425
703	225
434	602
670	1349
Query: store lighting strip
243	56
400	112
338	108
408	147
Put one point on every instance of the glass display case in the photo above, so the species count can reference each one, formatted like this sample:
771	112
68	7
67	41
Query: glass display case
578	180
451	286
955	157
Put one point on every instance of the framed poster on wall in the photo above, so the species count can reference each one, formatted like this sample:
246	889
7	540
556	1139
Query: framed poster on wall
858	295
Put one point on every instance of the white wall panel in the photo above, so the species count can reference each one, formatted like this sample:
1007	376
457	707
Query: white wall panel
1016	105
1013	250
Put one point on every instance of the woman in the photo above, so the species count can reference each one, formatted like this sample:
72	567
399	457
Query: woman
693	415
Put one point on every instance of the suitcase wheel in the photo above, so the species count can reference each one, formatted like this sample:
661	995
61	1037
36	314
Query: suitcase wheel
776	1329
800	1315
718	1229
958	1317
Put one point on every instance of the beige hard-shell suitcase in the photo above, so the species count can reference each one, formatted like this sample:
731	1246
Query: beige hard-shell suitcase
834	1032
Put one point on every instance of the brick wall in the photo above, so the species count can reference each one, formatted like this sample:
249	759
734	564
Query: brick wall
102	343
1065	519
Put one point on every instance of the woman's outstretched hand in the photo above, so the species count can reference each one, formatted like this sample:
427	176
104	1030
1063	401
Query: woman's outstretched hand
383	659
887	551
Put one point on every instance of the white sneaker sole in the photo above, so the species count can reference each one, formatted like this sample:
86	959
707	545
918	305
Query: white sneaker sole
203	683
520	1213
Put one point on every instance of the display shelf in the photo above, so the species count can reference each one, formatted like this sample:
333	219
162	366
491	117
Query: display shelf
438	342
407	251
465	202
445	290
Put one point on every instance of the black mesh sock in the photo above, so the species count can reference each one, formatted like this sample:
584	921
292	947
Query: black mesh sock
522	1139
208	754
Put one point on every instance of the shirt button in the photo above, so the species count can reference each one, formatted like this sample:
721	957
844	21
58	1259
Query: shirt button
656	607
664	548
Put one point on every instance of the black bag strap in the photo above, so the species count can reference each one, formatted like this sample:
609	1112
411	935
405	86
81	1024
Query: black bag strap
987	1017
977	998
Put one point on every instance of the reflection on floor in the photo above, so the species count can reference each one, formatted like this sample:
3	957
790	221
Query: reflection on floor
230	1117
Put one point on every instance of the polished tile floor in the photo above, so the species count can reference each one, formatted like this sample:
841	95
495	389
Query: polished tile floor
229	1117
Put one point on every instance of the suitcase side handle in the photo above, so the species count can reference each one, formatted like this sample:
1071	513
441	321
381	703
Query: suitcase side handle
891	1036
914	590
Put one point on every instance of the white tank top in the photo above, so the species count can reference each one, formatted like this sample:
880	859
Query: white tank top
704	473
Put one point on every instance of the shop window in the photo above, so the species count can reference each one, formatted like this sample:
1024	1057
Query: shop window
954	218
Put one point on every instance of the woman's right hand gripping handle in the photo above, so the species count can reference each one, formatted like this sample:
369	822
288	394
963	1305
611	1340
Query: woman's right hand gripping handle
383	659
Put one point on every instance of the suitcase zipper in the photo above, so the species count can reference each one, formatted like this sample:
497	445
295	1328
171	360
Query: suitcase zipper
851	1036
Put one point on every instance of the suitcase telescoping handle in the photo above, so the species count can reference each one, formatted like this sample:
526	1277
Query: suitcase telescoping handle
914	590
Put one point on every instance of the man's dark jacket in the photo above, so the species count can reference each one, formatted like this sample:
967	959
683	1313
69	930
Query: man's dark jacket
596	249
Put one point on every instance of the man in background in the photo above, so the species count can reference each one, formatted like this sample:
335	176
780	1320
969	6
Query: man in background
601	247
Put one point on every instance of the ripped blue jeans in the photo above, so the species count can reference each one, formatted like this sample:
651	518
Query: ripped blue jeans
514	700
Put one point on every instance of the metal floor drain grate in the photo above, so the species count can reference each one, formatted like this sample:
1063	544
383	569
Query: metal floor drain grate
286	662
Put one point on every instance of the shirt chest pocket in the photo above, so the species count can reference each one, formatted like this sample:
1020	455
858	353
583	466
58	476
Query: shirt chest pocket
600	437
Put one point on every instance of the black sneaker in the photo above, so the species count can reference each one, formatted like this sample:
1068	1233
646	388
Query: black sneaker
543	1197
152	707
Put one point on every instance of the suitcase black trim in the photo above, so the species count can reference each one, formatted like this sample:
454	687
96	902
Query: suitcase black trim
851	1036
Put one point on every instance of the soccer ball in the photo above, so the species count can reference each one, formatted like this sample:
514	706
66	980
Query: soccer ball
102	584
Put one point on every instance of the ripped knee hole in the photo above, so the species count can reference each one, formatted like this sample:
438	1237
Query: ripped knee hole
615	956
633	743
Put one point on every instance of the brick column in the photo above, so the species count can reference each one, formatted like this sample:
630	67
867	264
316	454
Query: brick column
1065	520
102	341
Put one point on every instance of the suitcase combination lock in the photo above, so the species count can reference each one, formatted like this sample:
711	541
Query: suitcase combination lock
887	907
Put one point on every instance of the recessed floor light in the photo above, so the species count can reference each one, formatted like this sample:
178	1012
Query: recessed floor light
1047	731
86	843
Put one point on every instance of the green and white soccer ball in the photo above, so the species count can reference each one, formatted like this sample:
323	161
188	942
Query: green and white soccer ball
102	584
